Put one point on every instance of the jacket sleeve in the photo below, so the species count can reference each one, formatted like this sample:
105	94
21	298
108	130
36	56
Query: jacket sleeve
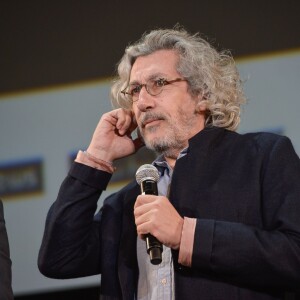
5	262
72	236
259	256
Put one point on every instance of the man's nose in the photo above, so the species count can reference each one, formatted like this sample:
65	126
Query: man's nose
145	100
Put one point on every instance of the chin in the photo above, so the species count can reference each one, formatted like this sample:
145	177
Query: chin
156	137
158	144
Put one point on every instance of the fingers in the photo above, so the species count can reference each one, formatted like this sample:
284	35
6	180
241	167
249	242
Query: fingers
145	210
157	216
111	139
123	120
125	123
148	214
143	199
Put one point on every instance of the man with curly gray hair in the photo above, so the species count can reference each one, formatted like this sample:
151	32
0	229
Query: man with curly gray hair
208	73
227	209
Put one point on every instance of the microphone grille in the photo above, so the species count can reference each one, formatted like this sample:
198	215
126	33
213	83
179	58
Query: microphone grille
146	171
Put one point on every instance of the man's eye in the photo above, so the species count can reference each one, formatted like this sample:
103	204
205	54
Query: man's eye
135	89
160	82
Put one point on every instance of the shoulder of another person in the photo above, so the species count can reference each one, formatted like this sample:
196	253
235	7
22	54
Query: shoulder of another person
1	210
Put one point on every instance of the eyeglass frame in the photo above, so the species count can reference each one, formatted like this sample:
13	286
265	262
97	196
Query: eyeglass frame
166	82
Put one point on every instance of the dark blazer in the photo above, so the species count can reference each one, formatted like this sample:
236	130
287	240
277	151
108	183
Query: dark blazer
5	262
244	191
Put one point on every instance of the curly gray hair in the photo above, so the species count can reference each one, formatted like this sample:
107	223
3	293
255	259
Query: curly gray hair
207	71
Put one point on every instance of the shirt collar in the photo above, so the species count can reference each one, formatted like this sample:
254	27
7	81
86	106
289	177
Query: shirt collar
162	165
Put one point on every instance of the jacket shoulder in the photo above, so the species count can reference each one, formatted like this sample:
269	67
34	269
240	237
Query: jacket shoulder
266	140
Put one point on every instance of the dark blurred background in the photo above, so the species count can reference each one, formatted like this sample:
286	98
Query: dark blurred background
52	43
55	42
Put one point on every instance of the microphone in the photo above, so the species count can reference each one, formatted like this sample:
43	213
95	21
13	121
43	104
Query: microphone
147	176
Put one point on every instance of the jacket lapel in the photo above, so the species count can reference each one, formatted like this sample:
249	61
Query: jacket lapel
127	262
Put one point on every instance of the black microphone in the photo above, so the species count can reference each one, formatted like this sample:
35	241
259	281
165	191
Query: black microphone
147	176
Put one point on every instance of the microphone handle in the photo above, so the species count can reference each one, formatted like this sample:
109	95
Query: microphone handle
153	246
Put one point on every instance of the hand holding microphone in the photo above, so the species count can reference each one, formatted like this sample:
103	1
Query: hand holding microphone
147	177
155	216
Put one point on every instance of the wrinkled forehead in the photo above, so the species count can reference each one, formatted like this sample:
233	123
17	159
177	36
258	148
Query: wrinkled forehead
161	63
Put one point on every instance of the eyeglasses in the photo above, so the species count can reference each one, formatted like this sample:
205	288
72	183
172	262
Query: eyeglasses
153	87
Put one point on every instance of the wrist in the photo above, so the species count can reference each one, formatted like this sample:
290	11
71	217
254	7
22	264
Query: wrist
100	153
97	159
86	158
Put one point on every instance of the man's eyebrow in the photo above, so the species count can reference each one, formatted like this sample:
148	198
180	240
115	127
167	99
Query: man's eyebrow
157	76
151	77
134	82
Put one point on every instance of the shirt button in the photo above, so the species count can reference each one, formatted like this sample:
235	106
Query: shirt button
164	281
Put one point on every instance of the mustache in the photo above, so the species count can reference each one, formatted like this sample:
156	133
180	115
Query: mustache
150	116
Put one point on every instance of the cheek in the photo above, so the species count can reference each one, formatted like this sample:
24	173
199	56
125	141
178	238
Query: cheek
136	113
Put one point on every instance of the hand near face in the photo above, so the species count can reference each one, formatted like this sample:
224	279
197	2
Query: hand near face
112	137
157	216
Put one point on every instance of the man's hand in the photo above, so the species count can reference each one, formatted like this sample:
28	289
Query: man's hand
157	216
112	137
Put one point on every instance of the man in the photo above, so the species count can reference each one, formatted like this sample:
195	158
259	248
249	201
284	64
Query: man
228	207
5	262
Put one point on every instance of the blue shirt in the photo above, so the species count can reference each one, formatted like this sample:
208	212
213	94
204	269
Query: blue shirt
156	282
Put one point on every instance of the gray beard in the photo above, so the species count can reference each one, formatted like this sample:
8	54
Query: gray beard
169	149
175	141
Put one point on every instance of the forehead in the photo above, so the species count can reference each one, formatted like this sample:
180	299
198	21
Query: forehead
161	62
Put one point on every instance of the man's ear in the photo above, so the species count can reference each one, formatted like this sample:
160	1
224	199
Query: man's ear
201	105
